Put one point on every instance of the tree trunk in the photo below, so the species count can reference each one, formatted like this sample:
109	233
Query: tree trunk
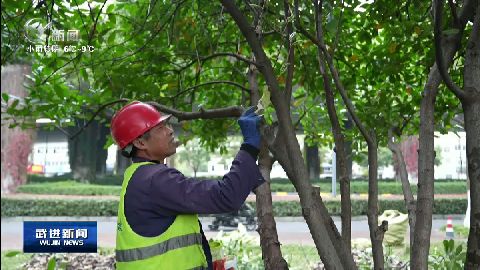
267	228
313	161
426	153
16	143
471	111
121	163
426	157
376	232
407	191
348	146
293	159
84	151
102	153
341	157
472	128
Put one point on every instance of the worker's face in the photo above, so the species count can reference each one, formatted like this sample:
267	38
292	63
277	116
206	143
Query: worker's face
160	144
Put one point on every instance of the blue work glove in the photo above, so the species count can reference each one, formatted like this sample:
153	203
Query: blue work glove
249	123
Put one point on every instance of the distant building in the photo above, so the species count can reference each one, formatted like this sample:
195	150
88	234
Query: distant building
49	155
453	158
50	152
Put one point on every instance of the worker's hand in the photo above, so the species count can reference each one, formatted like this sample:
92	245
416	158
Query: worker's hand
249	123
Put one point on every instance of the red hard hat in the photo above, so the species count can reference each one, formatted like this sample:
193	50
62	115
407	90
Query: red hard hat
133	120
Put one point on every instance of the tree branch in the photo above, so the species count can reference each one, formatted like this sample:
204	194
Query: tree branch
210	83
205	58
227	112
339	28
442	69
101	108
94	27
291	53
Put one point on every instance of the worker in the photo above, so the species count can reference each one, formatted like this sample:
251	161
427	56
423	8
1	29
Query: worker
158	225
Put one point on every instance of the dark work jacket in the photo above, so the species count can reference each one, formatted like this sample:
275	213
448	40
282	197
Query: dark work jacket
156	194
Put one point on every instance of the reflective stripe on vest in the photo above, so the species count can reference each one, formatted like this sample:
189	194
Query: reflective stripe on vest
158	249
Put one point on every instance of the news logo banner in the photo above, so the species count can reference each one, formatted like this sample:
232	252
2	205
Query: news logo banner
59	236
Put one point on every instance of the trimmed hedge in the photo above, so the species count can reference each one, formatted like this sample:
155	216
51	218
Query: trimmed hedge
51	207
54	207
359	207
383	187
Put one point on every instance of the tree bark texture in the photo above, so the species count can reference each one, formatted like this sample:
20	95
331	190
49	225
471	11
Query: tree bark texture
471	110
85	150
101	162
267	228
348	123
376	232
16	143
407	191
472	126
426	158
341	156
313	161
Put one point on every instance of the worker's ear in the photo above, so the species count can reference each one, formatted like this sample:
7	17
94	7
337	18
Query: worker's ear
139	143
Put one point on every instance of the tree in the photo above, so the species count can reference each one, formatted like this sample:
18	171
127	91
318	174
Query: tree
199	61
194	155
469	96
16	143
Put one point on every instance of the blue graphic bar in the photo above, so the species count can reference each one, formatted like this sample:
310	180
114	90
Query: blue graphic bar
59	236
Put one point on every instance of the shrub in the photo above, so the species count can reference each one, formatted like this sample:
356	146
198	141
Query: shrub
383	187
108	207
360	207
55	207
451	257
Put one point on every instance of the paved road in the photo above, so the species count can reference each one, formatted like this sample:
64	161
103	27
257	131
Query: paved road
290	230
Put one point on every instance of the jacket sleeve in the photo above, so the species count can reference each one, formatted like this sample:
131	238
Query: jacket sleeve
172	193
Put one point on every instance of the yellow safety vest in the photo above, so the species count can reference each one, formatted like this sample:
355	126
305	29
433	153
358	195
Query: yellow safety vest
179	247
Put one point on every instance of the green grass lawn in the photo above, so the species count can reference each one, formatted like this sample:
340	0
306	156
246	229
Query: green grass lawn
70	187
384	187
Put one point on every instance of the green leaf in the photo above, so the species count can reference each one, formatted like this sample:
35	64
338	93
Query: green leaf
5	96
14	104
448	245
51	263
332	25
459	249
12	253
111	37
112	19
